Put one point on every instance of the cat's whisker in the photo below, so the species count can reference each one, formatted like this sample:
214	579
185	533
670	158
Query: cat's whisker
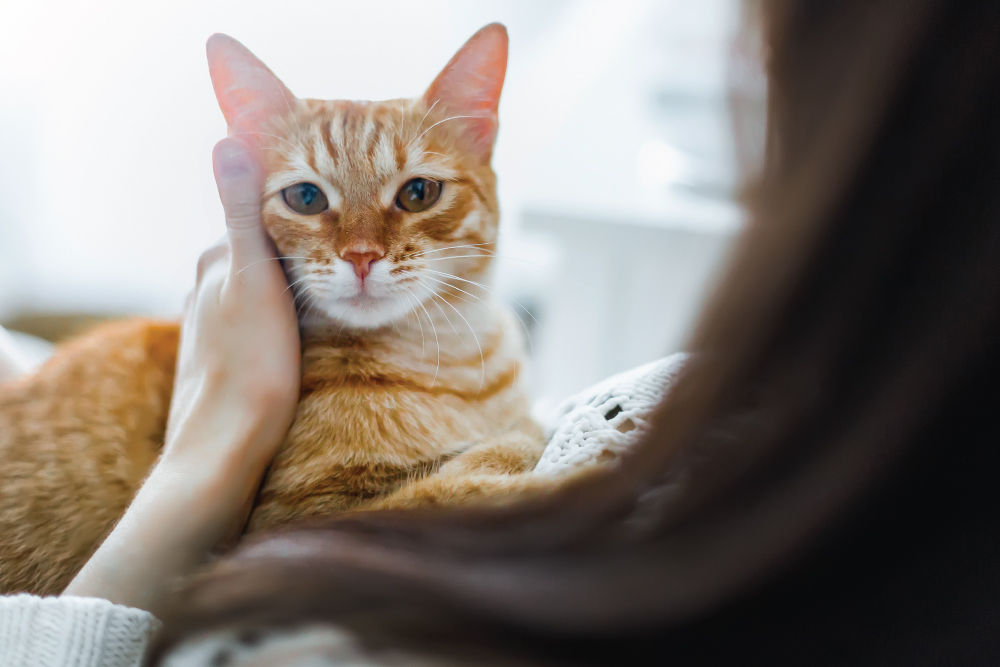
520	320
462	298
451	247
291	146
297	282
464	280
267	259
305	308
440	310
303	301
450	286
313	301
409	293
482	357
444	259
445	120
437	342
483	287
422	119
437	280
298	294
506	258
300	300
517	316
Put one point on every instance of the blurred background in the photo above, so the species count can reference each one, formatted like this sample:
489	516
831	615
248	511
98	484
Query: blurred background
617	173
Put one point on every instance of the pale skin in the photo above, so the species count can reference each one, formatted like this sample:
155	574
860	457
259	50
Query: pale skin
234	398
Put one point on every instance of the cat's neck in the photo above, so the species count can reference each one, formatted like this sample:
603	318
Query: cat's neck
433	336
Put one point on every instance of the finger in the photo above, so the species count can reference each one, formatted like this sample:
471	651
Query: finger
240	180
211	256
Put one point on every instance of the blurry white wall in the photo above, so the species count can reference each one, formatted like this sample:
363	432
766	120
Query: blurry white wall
613	150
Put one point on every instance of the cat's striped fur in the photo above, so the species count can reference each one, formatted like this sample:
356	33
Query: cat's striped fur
412	389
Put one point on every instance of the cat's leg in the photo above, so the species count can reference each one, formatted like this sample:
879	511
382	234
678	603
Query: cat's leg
514	452
490	472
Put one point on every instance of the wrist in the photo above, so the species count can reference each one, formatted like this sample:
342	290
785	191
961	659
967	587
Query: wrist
168	531
204	489
180	515
217	445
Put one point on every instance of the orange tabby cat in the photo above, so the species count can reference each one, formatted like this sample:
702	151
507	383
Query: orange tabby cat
385	215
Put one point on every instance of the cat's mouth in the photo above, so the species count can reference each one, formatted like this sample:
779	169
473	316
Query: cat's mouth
363	305
363	299
366	292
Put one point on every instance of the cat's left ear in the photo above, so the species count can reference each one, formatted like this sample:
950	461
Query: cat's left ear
249	93
470	85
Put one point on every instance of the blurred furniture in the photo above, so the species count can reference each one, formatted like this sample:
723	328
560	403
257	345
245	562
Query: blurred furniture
624	289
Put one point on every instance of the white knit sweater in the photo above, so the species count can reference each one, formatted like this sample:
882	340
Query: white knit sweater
81	632
591	428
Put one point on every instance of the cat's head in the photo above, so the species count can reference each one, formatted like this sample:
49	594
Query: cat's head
376	207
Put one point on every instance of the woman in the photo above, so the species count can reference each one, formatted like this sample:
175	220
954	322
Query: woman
820	487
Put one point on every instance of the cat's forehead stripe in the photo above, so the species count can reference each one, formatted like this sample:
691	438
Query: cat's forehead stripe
384	157
399	152
351	139
323	161
328	139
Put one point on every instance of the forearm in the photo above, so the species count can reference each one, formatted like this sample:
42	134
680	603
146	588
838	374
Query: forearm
176	519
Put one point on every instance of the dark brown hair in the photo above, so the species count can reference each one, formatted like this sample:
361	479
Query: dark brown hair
820	486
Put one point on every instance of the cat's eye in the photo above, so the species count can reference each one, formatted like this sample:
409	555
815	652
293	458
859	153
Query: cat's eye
305	198
418	194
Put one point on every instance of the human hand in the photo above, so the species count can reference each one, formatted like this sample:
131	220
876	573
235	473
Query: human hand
237	380
235	393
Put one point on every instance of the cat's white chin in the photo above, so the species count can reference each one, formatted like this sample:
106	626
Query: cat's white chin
362	311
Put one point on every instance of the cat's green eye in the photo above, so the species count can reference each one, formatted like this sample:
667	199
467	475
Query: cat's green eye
418	194
305	198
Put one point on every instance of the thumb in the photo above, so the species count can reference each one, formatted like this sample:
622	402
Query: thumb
240	180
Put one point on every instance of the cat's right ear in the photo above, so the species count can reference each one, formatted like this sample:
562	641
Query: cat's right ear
249	93
469	85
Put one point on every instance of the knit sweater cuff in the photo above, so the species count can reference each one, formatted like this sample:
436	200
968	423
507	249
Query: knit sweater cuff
60	631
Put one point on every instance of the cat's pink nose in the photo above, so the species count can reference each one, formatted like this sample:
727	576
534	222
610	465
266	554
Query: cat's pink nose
362	258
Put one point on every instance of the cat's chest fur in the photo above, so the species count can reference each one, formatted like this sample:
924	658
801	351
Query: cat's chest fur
380	409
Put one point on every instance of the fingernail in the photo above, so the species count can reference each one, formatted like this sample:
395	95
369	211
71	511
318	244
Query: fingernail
234	160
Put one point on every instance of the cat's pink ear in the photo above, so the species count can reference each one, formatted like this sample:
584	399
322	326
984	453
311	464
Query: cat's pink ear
249	93
471	82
